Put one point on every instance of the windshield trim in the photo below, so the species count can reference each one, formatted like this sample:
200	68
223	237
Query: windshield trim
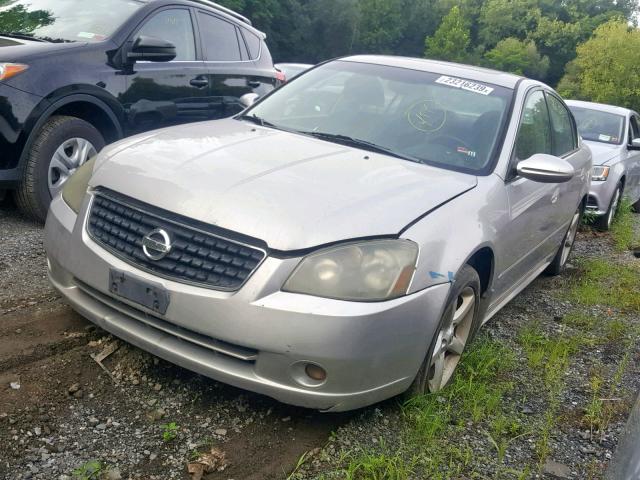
494	155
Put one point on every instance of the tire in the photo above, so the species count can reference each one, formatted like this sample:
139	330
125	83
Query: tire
605	221
465	293
557	266
43	176
636	207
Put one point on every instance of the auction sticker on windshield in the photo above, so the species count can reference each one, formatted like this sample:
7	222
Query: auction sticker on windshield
465	85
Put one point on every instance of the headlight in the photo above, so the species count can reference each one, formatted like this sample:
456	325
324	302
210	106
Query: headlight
8	70
75	188
599	174
367	271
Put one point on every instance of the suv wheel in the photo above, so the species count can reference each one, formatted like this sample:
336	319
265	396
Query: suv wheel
556	267
63	144
605	221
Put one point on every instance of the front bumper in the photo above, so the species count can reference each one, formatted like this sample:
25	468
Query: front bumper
600	196
258	338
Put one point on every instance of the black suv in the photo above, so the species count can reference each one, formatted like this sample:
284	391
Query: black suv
77	74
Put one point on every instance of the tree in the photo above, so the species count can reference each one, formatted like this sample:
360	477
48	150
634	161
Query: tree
607	67
451	40
519	57
500	19
381	25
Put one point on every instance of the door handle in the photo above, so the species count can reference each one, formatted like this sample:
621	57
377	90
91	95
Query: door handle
254	83
199	82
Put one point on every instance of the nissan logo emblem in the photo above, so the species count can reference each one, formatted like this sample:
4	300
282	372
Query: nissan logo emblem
156	244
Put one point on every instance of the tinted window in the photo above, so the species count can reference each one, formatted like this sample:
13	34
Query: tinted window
219	39
173	26
534	134
253	42
65	20
564	140
634	129
599	126
422	116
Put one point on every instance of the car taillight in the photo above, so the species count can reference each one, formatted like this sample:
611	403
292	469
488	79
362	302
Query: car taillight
280	76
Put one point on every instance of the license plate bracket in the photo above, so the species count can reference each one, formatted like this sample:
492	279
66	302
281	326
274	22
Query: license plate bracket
148	294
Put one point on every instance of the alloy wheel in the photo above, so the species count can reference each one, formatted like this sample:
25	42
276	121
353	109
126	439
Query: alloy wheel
570	238
67	158
451	341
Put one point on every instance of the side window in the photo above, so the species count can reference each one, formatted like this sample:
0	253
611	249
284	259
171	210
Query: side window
174	26
634	130
534	134
253	42
564	137
219	39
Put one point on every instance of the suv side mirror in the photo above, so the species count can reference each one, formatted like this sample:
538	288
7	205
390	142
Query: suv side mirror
635	144
545	168
151	49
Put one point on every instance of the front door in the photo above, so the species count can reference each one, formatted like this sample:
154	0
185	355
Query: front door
632	187
160	94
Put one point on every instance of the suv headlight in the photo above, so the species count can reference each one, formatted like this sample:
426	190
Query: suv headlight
75	188
599	173
8	70
368	271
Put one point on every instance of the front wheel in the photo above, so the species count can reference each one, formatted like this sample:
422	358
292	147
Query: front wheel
560	260
604	222
62	145
456	329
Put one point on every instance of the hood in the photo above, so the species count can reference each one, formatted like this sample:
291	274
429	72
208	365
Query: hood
603	153
292	191
18	50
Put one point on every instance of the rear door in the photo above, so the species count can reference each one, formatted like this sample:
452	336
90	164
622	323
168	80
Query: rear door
166	93
231	67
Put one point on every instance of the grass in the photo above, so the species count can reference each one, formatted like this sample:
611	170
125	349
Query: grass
622	230
378	467
603	282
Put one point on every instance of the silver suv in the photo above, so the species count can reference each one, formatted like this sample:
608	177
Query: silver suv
337	243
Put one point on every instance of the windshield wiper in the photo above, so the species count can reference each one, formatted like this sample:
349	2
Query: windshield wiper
21	36
258	120
363	144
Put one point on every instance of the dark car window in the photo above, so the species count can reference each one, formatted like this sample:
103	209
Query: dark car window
634	129
219	39
564	137
175	26
65	20
534	134
253	42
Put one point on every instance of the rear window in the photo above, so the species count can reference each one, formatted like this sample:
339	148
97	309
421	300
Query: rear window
253	43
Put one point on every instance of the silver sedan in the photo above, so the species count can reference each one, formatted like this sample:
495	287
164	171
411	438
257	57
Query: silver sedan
613	134
328	256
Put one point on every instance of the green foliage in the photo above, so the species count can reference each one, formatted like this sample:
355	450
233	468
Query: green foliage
169	431
91	470
369	466
451	40
622	229
520	57
500	19
607	66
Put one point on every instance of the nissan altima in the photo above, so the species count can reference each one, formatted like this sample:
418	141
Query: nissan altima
337	243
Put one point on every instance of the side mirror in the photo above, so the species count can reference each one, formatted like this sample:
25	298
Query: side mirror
248	99
151	49
635	144
545	168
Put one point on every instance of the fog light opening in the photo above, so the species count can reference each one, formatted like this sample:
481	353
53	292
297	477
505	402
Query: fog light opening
315	372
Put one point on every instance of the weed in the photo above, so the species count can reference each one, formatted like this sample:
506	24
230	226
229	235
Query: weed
379	467
91	470
169	431
299	464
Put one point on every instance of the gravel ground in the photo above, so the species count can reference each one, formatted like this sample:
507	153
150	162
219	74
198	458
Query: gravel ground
68	411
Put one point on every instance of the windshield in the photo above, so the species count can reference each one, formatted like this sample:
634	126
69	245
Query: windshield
599	126
425	117
64	20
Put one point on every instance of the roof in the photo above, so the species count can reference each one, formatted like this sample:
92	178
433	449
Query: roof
480	74
602	107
